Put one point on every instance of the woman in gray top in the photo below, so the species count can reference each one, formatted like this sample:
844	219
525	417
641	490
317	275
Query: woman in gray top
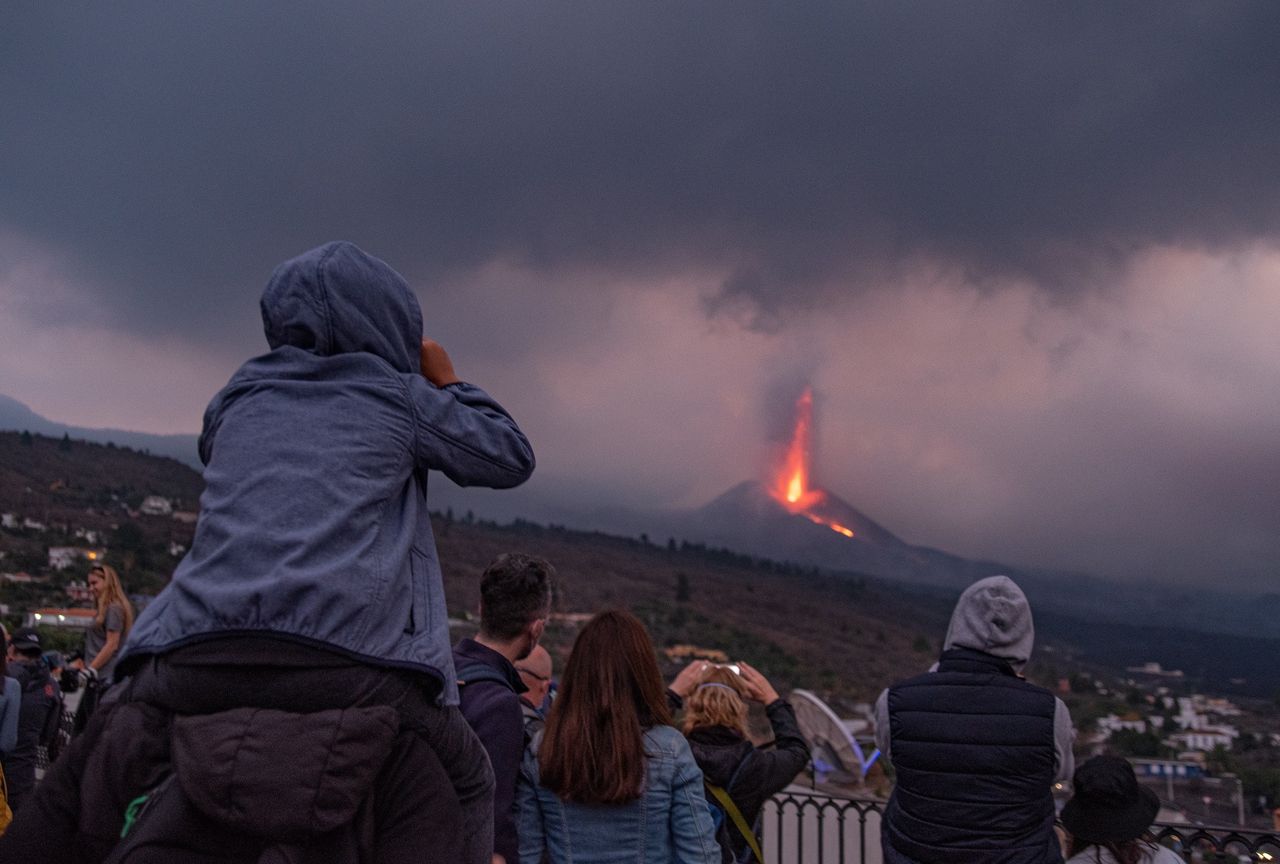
110	625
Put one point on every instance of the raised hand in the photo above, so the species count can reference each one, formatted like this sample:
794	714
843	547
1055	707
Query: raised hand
758	688
436	365
689	678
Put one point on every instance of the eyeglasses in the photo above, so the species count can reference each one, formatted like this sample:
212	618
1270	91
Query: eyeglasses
523	671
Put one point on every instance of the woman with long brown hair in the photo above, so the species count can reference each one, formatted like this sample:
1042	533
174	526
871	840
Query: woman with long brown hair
609	778
111	623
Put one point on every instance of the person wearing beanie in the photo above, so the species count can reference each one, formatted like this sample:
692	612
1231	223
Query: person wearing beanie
975	746
1109	815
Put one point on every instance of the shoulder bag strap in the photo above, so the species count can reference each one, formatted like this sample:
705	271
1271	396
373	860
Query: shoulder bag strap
739	821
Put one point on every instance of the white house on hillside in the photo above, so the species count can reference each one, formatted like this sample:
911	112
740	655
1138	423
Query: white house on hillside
88	535
1203	739
79	592
156	505
1114	723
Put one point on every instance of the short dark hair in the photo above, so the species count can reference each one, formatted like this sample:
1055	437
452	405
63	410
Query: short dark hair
515	590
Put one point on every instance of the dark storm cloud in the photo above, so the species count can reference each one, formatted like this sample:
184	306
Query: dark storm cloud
175	153
1050	232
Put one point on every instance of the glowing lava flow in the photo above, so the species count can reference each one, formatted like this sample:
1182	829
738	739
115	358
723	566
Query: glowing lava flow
791	486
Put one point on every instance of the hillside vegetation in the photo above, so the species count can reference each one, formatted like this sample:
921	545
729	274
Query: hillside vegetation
846	636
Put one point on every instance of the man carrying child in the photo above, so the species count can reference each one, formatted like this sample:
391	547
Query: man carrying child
312	584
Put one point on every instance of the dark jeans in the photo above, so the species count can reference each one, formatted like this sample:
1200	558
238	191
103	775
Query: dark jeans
196	683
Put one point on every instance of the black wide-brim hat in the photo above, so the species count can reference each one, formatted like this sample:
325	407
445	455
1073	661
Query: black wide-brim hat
1109	805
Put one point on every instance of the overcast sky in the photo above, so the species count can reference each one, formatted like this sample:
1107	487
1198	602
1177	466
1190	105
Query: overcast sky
1027	255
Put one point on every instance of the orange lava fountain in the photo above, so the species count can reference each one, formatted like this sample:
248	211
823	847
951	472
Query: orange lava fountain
791	485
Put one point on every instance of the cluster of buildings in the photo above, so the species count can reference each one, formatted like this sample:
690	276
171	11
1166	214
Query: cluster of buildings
60	558
1191	725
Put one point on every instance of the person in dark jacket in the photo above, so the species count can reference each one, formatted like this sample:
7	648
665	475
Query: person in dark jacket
515	600
39	712
246	786
976	747
715	722
312	582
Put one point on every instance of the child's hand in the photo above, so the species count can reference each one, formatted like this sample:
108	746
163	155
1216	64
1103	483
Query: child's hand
436	365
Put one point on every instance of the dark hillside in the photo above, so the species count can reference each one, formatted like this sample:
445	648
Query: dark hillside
49	477
88	496
845	635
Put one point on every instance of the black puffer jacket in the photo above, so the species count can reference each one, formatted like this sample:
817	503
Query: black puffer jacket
973	747
343	786
756	774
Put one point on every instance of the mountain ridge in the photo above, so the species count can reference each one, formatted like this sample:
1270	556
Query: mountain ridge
16	416
875	550
841	631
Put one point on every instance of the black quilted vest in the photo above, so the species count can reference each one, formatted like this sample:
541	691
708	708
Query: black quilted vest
972	745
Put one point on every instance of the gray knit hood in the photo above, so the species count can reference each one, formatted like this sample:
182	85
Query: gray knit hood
993	616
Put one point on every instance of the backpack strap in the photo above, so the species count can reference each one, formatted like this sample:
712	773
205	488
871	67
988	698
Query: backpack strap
475	672
735	815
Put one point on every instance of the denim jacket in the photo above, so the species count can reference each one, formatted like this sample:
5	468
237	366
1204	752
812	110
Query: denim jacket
669	822
313	523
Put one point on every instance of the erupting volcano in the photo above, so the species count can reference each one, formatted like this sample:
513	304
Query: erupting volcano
791	486
759	518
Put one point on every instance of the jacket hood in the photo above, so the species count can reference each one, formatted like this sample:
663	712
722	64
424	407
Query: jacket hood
993	616
280	775
718	751
336	299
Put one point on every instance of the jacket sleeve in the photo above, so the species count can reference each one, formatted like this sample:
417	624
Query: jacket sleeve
52	720
532	832
461	431
790	752
882	736
693	834
1064	735
499	725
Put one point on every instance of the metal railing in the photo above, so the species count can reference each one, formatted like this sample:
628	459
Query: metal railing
801	826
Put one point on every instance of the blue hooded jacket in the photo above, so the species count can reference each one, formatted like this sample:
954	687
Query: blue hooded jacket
313	523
